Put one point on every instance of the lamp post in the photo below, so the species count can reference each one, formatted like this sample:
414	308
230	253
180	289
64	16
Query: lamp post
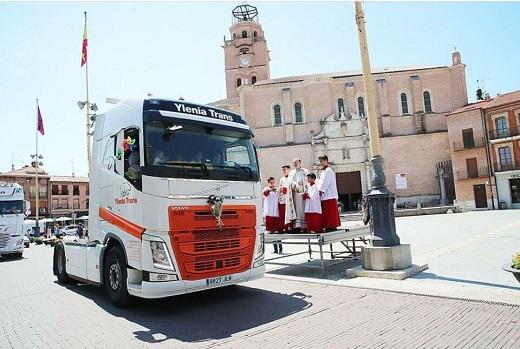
381	199
91	118
37	158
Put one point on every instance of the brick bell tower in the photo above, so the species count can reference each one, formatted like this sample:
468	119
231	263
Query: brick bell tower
246	53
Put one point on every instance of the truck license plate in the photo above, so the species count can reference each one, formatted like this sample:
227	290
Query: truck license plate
218	280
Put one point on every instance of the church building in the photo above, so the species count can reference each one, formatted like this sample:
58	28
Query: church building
325	114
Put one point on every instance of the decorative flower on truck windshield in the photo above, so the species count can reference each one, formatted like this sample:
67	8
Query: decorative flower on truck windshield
128	144
215	203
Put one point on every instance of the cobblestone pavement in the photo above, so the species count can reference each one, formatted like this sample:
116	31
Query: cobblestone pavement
278	311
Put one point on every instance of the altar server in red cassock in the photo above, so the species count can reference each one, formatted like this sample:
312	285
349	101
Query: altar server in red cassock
270	211
285	183
313	206
329	195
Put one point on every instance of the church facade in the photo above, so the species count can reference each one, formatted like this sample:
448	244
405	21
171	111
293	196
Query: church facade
325	114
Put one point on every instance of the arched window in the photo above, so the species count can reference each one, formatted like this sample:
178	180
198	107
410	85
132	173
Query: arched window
239	82
253	80
244	34
341	106
404	104
277	112
244	50
361	106
255	34
234	36
298	115
427	102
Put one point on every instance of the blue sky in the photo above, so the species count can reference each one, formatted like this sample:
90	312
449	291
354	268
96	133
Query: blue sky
173	49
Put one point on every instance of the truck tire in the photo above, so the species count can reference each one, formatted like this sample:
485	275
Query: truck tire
115	277
60	264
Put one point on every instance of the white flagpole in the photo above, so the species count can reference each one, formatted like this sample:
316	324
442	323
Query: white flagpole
89	156
37	159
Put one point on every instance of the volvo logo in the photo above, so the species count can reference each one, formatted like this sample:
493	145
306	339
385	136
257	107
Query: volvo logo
216	188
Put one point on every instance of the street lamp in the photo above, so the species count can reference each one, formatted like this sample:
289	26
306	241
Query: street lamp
91	118
386	251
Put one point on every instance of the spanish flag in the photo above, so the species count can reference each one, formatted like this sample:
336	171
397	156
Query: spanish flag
85	44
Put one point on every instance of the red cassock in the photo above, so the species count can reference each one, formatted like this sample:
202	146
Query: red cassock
271	223
314	222
330	214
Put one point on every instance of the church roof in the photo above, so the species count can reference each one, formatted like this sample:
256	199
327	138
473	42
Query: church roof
226	102
338	75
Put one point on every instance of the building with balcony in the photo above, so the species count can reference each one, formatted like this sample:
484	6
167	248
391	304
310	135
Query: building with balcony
503	125
69	196
59	195
470	158
485	151
26	177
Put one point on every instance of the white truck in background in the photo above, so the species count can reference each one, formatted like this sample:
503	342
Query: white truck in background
12	215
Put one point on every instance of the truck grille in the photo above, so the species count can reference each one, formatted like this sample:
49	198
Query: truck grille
202	250
4	239
215	245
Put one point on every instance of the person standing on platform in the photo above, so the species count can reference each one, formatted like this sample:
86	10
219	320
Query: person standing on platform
329	195
270	212
284	227
295	210
313	206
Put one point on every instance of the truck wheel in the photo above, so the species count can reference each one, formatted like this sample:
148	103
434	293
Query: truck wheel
60	264
115	274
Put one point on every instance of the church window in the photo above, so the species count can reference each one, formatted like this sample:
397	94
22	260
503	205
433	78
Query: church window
244	34
427	102
298	114
341	106
277	112
253	80
404	104
361	106
239	82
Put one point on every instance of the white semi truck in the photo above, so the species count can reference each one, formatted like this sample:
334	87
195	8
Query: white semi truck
12	216
175	203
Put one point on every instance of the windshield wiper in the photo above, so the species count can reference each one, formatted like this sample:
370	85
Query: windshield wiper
200	165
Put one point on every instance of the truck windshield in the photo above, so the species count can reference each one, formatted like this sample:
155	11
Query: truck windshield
11	207
180	148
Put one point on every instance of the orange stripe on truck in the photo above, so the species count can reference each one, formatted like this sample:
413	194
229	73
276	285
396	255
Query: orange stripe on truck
123	224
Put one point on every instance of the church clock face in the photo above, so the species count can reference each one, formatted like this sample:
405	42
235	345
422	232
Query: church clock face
245	62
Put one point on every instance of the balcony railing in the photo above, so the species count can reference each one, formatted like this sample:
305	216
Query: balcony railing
499	167
507	132
477	142
481	172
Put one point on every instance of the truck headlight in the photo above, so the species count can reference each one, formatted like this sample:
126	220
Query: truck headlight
160	255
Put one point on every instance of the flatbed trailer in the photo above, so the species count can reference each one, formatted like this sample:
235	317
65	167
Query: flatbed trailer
347	237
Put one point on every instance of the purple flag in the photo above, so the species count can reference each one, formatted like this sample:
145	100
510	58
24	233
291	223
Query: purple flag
40	122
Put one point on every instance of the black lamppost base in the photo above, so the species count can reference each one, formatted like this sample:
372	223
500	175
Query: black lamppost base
381	208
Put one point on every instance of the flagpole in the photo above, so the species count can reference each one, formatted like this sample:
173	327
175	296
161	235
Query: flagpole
36	227
89	158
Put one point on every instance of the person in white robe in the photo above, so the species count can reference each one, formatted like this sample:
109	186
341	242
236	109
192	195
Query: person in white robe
313	206
329	195
295	206
270	211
